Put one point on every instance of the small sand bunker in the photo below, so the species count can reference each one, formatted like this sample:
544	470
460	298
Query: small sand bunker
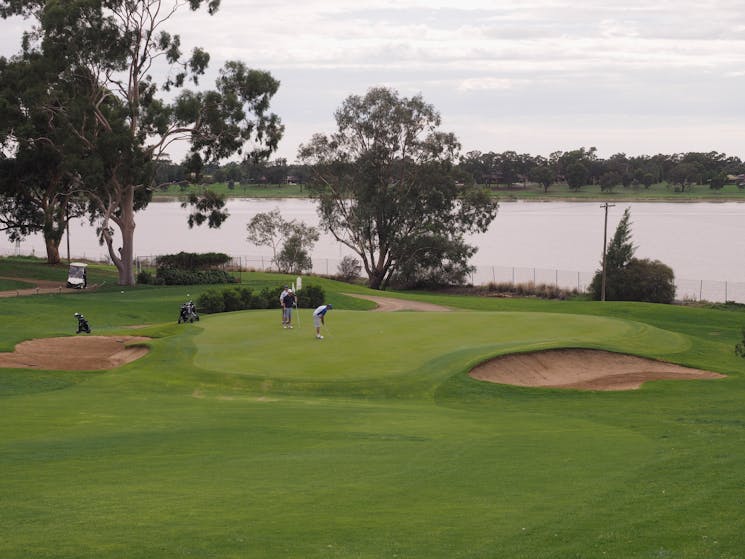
79	353
582	369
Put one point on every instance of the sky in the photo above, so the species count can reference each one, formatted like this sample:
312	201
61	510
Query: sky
533	76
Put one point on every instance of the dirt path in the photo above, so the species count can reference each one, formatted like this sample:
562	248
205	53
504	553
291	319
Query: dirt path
582	369
390	304
42	287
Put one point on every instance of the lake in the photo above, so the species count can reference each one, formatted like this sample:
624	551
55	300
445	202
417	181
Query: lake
546	242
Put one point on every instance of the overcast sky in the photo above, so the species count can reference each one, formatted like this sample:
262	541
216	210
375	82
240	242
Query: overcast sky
533	76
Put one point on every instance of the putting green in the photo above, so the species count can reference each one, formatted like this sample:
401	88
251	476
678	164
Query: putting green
360	345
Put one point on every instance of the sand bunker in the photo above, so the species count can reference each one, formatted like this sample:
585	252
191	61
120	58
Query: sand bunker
79	353
582	369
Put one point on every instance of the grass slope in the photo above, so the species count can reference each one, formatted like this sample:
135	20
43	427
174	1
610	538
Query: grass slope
236	438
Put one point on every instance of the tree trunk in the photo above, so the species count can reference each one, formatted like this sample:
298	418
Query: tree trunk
52	246
126	252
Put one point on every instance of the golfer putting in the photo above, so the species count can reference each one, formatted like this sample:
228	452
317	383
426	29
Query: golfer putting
319	318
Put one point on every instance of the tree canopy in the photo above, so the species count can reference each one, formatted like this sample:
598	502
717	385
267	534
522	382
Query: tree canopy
385	184
105	50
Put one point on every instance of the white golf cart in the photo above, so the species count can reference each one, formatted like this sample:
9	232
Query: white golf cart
77	276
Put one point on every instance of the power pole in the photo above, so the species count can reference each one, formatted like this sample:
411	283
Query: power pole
605	243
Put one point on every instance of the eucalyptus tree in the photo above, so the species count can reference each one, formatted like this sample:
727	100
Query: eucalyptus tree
111	50
386	188
37	184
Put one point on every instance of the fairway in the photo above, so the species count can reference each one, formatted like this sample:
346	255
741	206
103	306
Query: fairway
236	438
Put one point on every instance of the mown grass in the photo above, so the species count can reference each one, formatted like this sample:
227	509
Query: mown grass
236	438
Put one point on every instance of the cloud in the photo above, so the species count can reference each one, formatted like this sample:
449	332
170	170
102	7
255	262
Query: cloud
486	63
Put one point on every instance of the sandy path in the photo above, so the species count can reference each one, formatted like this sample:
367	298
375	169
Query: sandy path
390	304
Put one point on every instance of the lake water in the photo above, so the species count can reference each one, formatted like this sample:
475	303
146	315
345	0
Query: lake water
549	242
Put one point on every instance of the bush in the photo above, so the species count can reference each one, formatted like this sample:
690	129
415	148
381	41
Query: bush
232	300
174	276
211	301
349	268
240	298
311	296
192	260
145	277
643	280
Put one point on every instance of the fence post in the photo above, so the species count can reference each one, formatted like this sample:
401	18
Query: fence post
701	291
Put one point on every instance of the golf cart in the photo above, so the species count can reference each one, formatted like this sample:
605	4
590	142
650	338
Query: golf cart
77	276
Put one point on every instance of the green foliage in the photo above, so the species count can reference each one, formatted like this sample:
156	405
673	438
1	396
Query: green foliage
244	298
629	278
192	260
311	296
349	268
434	261
233	300
386	179
211	301
174	276
290	241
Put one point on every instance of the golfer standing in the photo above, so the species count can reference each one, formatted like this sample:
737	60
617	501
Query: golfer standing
287	303
282	295
319	318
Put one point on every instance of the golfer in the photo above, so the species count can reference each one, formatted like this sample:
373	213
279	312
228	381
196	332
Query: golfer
287	303
319	318
282	295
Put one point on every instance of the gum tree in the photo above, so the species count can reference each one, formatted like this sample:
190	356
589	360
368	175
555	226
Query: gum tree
386	187
112	50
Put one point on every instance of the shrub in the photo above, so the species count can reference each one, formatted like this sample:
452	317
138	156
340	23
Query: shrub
232	300
349	268
246	296
644	280
174	276
211	301
311	296
145	277
192	260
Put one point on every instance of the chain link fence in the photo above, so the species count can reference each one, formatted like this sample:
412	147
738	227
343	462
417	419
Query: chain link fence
715	291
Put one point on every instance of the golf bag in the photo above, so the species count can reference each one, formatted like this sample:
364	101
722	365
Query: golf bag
188	313
82	324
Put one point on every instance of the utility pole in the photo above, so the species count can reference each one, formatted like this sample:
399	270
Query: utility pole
605	245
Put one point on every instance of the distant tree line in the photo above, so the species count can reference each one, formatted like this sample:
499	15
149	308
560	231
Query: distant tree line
509	169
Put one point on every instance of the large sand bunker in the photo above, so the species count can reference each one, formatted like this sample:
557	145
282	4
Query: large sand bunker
80	353
582	369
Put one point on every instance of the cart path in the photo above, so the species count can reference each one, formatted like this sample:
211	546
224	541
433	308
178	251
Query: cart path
390	304
42	287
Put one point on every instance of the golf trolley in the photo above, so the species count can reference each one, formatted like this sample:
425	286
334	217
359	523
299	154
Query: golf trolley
82	324
188	313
